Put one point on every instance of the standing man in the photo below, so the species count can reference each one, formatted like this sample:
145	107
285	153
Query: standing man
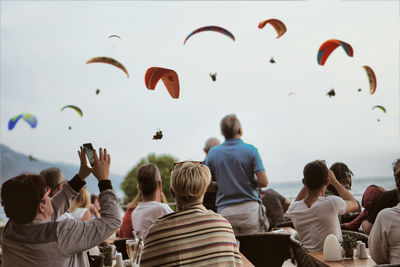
150	208
234	164
211	193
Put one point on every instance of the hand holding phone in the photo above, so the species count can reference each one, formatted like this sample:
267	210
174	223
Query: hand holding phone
89	153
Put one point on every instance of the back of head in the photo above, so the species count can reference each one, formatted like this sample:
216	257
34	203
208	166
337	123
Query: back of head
230	126
189	182
211	142
396	165
315	175
81	201
148	177
93	198
21	195
54	177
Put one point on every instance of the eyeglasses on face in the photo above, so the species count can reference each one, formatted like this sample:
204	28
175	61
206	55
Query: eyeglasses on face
179	164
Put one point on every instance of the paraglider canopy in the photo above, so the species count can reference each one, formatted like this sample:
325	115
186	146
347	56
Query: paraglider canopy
211	28
371	79
78	110
278	25
169	78
110	61
29	118
380	107
114	35
327	48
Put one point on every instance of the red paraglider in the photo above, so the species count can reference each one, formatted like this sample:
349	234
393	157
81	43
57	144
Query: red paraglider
327	48
169	78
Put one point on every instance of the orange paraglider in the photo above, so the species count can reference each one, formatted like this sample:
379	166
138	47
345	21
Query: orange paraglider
169	78
327	48
278	25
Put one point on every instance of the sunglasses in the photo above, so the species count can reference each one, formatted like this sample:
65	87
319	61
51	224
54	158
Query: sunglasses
178	164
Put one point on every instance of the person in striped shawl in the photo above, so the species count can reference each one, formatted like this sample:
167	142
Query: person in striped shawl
193	235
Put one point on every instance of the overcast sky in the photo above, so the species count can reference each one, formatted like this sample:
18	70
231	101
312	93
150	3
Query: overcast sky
45	46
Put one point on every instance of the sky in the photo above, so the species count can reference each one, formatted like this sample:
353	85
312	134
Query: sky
45	46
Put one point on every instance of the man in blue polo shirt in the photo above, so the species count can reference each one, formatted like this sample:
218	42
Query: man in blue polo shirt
234	164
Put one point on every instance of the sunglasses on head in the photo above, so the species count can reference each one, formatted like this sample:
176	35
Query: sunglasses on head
178	164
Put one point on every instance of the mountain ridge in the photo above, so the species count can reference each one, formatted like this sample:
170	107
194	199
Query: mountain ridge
13	163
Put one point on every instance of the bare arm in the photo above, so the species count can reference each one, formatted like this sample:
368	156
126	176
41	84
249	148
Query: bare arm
286	205
367	226
212	187
302	194
262	180
86	216
351	203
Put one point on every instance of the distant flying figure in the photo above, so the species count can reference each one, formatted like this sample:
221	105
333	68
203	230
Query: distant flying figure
272	61
213	76
359	90
291	94
69	128
331	93
378	120
31	158
97	91
158	135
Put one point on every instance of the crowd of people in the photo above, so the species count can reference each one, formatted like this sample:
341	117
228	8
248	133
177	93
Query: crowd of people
53	221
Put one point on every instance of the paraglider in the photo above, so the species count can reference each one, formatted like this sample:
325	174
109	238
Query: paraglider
97	91
278	25
211	28
110	61
327	48
31	158
379	107
169	78
213	76
114	35
69	128
158	135
359	90
272	61
371	79
331	93
291	94
29	118
78	110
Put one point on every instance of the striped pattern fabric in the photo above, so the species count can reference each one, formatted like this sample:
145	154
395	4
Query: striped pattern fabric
193	237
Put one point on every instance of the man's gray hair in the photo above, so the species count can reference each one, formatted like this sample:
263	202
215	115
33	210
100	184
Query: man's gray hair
211	142
230	126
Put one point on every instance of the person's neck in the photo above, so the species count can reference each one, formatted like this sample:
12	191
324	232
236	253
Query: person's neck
152	197
41	217
313	195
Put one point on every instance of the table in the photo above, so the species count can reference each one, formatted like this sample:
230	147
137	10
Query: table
356	262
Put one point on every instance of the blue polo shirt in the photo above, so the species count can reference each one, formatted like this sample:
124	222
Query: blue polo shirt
233	165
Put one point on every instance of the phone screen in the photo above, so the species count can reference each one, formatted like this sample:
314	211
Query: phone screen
89	152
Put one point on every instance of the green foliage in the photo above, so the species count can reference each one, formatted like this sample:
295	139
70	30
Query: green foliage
349	242
164	164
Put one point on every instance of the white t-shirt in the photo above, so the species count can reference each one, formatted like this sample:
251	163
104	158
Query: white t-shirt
145	214
314	224
384	239
78	213
65	215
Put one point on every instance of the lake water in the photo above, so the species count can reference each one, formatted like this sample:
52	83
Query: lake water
291	189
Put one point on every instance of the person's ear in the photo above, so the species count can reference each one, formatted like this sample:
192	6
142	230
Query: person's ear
302	180
240	131
41	208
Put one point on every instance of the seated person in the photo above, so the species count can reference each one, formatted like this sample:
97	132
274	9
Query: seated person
369	201
193	235
126	228
80	206
150	208
344	175
276	205
55	180
315	216
384	239
388	199
32	237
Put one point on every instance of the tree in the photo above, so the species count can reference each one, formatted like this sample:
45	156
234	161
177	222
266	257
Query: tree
164	164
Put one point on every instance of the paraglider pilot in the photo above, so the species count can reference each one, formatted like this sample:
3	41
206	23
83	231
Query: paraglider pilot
213	76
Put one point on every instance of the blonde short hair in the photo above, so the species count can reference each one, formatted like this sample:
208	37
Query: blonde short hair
189	181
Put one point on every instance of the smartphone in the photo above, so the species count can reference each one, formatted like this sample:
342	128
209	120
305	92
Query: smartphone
89	152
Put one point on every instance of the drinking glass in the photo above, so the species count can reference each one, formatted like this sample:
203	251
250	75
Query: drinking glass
131	249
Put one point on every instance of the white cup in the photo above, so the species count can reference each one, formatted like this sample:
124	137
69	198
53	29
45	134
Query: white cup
358	248
363	252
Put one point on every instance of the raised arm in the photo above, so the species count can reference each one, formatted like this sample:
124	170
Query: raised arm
77	236
351	203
